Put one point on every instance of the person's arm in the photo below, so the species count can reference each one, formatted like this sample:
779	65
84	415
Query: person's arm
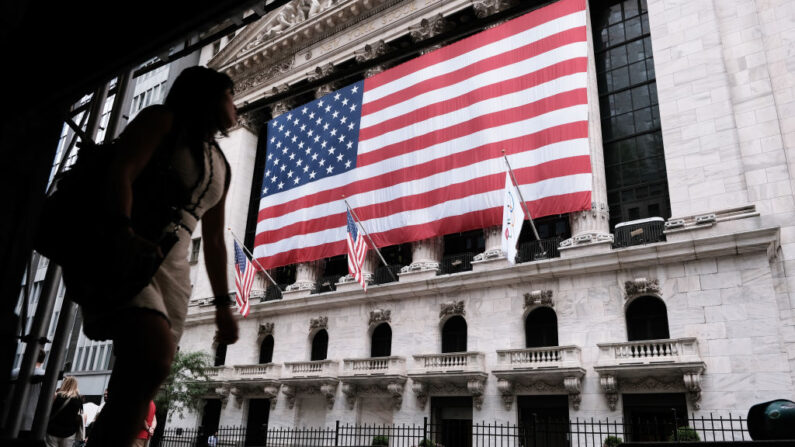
215	261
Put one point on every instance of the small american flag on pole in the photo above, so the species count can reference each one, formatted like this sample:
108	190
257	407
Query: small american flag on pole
417	149
357	250
244	279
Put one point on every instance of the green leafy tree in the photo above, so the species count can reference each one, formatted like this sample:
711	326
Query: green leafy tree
380	440
186	384
612	441
684	434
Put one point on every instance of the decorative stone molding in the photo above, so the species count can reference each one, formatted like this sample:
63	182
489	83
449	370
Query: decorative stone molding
329	391
538	297
396	390
265	329
642	286
370	52
223	393
289	392
485	8
493	244
260	74
318	323
420	390
282	106
451	309
506	389
476	388
322	72
538	386
692	380
609	385
350	391
271	392
590	227
427	28
379	316
573	385
252	121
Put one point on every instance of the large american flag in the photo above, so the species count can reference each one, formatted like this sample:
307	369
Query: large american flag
357	250
417	149
244	279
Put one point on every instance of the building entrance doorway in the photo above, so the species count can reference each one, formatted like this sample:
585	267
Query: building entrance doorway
211	416
258	412
544	420
654	417
451	421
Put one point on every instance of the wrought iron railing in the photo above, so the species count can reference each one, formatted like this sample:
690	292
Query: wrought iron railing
533	432
538	250
460	262
639	232
382	274
327	283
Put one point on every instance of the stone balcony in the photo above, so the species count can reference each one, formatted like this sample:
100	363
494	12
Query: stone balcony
377	375
255	381
310	377
554	368
669	364
458	372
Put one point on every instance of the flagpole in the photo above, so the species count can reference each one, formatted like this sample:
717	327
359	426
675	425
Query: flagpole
516	184
375	247
252	257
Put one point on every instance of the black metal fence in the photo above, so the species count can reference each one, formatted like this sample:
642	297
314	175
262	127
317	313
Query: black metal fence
463	433
460	262
538	250
647	231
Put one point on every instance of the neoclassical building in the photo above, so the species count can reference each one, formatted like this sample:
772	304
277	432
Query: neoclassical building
672	292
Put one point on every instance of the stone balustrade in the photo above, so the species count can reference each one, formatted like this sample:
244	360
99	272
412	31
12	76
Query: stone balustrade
450	362
315	368
677	350
377	366
546	357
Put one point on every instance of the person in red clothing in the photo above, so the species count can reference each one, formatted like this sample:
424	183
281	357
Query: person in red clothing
142	440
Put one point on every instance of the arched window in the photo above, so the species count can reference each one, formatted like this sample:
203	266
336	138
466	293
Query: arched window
541	328
454	335
220	354
266	350
647	319
382	341
320	345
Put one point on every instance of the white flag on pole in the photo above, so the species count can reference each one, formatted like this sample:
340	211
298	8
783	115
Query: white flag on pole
513	217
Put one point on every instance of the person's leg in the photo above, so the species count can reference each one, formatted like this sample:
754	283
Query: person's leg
51	441
144	350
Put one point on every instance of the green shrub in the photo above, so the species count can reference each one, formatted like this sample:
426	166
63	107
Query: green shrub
426	443
612	441
380	440
684	434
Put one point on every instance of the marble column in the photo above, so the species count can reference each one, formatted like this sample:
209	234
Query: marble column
306	275
485	8
492	236
426	255
591	228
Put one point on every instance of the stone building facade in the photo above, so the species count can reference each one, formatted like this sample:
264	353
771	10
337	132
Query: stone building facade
699	318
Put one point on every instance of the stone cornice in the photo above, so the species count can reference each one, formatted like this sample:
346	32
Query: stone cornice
759	240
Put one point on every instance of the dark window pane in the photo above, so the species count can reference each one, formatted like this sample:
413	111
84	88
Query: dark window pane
642	5
654	209
632	28
611	154
601	41
628	150
647	146
620	78
650	69
614	14
613	175
612	197
655	118
647	46
624	125
603	63
605	105
618	56
631	8
635	51
641	193
623	102
653	93
637	73
628	195
616	34
630	173
643	121
644	23
640	97
633	213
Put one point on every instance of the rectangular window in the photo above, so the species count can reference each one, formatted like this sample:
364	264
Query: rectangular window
194	250
635	171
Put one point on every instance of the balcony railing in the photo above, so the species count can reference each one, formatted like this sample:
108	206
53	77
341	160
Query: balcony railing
257	372
639	232
382	274
540	358
315	368
217	373
678	350
327	284
460	262
538	250
450	362
374	366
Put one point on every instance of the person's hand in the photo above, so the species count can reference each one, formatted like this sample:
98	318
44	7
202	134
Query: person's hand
227	326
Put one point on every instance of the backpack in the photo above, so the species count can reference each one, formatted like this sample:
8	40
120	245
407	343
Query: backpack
79	232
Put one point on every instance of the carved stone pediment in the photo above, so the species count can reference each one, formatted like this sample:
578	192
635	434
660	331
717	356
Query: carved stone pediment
265	329
642	286
452	308
538	297
318	323
379	316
